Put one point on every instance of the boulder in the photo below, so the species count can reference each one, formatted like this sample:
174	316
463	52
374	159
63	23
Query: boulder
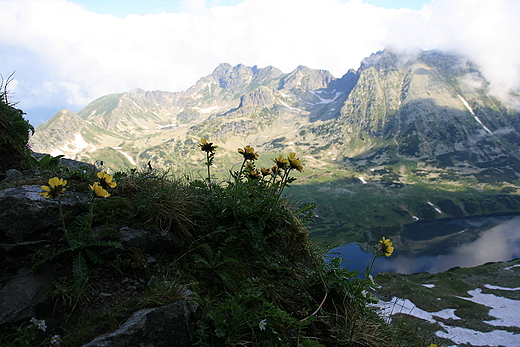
20	297
13	174
170	325
23	211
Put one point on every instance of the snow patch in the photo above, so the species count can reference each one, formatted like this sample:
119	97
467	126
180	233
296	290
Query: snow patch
207	109
325	101
434	207
473	113
74	146
405	306
362	180
510	267
291	108
493	338
127	156
167	126
503	309
428	285
489	286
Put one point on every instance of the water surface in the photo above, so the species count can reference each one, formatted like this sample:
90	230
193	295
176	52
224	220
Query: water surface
436	246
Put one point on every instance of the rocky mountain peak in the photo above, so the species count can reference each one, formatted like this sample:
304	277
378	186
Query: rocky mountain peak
420	107
304	77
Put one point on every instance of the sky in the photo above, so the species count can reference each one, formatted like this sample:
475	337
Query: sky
66	53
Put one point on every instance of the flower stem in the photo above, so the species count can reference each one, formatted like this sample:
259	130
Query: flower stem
369	269
62	218
208	164
237	180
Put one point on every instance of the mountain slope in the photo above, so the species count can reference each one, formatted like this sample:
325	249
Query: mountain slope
420	124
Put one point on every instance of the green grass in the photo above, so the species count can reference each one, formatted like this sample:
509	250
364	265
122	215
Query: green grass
240	247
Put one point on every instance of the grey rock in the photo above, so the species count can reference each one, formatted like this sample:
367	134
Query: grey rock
134	237
13	174
74	164
171	325
23	211
20	297
261	97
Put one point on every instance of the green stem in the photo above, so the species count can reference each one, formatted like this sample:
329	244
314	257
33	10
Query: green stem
369	269
237	180
91	212
283	183
62	218
208	164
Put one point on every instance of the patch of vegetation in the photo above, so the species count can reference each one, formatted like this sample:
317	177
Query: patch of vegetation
242	251
14	132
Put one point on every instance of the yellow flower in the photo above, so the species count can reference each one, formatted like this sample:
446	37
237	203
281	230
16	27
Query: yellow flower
206	146
265	171
281	162
55	188
106	180
294	162
248	152
99	190
251	171
385	246
433	345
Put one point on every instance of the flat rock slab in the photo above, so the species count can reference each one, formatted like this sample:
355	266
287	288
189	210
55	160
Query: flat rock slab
170	325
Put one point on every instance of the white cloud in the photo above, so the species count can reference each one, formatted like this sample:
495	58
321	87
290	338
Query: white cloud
65	55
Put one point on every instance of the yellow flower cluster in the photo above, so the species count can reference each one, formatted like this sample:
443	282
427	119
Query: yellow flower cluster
249	153
55	188
295	163
291	162
385	246
105	182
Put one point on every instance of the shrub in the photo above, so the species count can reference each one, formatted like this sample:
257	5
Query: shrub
14	133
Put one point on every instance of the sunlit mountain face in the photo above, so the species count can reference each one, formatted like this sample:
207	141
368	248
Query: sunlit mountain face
400	139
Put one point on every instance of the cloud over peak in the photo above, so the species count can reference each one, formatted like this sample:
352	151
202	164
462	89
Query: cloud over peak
65	55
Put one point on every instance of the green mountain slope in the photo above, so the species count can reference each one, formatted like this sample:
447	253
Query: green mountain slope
398	128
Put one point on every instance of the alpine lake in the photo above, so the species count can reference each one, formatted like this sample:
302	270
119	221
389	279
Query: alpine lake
435	246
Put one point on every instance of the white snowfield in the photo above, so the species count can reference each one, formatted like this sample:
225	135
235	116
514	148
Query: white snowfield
73	147
505	311
473	114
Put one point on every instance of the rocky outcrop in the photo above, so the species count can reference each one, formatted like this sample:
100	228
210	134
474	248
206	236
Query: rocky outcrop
25	293
170	325
21	296
23	211
261	97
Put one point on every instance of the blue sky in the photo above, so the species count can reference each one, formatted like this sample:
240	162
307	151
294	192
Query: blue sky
66	53
122	8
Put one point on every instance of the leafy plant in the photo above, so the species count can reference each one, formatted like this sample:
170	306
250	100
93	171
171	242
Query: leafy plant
45	162
79	239
260	280
14	131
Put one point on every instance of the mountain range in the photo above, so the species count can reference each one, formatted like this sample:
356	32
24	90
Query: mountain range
417	120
